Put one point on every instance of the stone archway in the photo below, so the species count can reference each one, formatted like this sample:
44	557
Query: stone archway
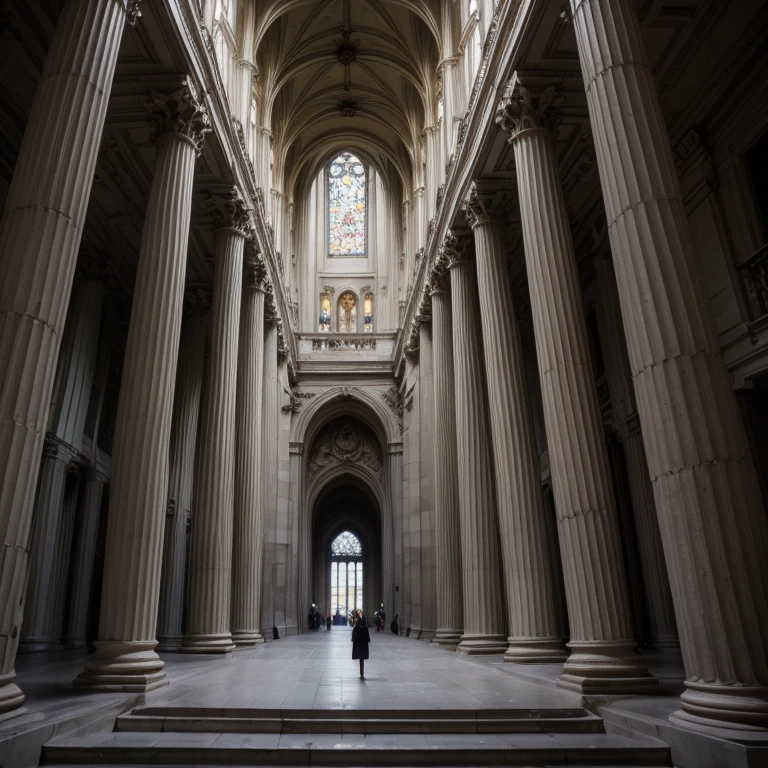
344	444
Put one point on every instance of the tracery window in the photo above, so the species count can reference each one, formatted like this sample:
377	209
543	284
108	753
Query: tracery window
346	544
346	575
346	206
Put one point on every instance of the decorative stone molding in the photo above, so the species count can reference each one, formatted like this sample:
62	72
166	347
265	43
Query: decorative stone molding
296	400
393	397
528	104
229	211
132	11
182	113
345	442
335	343
483	206
457	250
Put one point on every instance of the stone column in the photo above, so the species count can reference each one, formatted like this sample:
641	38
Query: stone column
186	412
87	529
40	235
480	561
450	621
602	649
624	418
527	568
49	519
125	659
210	556
711	515
248	553
391	568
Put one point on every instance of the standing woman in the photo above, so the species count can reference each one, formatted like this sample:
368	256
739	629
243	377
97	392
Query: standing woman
360	640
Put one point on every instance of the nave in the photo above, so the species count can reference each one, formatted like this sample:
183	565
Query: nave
300	701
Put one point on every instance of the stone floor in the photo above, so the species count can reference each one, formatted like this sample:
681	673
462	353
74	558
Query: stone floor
311	671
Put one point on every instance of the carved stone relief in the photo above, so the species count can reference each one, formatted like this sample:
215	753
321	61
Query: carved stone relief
345	441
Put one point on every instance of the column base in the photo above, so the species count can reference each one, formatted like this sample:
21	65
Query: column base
476	645
208	643
129	667
243	638
735	707
169	643
72	643
606	667
449	638
536	650
11	697
666	643
37	645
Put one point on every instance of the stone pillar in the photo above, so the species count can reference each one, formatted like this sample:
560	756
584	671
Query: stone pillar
125	659
210	556
49	520
711	514
87	529
602	656
248	553
480	561
624	418
186	412
40	235
391	568
527	567
450	621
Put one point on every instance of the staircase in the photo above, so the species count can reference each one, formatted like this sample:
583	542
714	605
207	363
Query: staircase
154	736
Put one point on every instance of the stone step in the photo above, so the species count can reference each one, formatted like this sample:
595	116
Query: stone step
299	749
339	721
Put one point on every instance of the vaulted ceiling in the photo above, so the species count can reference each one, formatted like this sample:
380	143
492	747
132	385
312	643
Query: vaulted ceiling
362	73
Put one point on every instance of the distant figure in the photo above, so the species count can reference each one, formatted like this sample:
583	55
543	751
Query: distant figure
360	640
328	622
394	626
275	634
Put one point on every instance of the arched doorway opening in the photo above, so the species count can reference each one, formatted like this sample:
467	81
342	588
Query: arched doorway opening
348	575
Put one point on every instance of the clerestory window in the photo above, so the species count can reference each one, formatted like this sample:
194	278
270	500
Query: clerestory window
347	202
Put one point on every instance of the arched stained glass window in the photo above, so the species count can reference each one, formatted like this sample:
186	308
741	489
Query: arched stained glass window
346	206
346	545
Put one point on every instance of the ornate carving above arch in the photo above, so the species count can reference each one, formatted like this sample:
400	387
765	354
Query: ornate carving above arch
366	405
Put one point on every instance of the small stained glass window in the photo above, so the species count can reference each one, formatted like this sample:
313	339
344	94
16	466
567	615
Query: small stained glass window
346	206
346	545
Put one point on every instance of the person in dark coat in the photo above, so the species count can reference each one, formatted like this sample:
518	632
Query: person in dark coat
360	640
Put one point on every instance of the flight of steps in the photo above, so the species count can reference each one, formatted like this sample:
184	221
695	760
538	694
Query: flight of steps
154	736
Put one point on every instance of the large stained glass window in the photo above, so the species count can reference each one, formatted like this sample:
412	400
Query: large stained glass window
346	206
346	576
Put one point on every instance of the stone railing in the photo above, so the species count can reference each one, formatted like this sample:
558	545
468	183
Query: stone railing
754	272
352	342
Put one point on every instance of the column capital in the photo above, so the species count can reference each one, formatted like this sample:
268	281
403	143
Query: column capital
435	281
457	250
484	206
181	113
529	103
132	11
229	211
255	273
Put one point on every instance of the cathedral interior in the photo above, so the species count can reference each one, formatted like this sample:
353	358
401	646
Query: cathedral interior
453	311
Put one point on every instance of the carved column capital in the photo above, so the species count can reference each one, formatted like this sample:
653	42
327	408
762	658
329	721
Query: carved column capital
181	113
229	211
527	104
457	250
484	206
132	11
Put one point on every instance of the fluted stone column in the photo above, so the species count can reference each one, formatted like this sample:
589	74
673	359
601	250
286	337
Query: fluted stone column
711	515
210	557
248	552
40	235
49	522
125	659
480	561
83	554
602	657
624	418
450	621
527	568
184	424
